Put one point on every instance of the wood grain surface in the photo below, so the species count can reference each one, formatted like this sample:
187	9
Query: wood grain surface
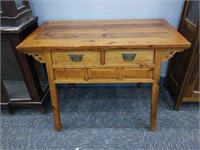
100	35
115	51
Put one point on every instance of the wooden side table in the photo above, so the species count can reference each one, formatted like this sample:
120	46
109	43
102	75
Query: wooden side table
117	51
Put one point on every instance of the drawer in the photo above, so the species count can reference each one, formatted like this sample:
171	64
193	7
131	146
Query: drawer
129	57
75	58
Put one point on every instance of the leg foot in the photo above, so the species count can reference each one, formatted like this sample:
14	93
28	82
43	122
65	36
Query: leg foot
42	109
71	86
140	85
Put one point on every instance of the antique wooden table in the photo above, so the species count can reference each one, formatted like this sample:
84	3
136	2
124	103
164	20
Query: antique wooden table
107	51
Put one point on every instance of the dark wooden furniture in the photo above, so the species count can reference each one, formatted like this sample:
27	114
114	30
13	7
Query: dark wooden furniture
117	51
35	95
23	80
183	70
4	98
15	12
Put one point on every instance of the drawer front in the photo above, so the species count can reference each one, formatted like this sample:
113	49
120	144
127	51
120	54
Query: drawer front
75	58
129	57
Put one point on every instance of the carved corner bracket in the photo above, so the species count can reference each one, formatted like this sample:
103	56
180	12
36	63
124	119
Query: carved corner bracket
167	54
38	56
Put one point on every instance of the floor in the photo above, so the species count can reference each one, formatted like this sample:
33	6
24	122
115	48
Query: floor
99	117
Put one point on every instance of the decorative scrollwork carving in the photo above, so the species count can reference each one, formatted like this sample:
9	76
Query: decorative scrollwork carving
167	54
38	56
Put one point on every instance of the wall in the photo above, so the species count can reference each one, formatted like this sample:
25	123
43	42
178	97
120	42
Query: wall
108	9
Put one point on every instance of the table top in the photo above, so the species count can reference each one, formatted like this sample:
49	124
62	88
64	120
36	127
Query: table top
103	34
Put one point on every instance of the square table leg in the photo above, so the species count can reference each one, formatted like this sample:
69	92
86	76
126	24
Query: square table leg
154	106
155	90
53	92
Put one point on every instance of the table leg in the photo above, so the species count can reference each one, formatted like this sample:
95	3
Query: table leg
154	107
55	107
155	90
53	92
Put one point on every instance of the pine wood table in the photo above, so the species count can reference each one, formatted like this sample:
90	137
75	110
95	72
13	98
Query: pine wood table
107	51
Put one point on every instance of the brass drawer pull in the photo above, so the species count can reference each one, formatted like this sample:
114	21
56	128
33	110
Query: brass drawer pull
128	57
76	57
